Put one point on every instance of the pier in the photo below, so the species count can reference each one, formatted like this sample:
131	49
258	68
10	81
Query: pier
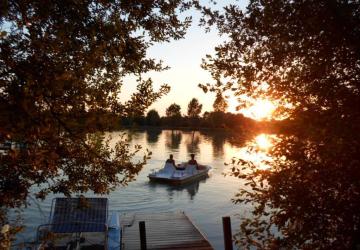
170	230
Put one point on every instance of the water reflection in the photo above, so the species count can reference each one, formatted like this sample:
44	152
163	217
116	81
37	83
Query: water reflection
311	189
152	135
257	151
192	143
173	139
192	188
308	193
134	135
263	142
218	141
206	201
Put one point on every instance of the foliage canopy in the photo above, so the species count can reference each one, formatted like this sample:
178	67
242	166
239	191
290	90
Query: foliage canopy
61	68
153	118
194	108
308	54
220	104
173	110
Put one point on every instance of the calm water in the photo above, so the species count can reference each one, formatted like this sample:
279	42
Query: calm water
205	202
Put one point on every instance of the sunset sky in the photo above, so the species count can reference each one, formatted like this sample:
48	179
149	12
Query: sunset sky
184	57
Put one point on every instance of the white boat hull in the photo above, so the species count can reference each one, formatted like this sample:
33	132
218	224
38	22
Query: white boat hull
178	177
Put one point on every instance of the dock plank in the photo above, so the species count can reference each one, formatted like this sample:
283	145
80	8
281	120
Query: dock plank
171	230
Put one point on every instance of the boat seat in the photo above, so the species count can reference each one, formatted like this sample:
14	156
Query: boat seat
191	169
168	170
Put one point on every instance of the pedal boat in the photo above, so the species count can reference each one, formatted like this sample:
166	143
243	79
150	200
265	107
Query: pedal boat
185	173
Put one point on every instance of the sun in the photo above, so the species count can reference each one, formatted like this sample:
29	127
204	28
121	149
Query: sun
261	109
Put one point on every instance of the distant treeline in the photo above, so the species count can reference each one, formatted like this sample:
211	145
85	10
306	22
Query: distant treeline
174	119
215	119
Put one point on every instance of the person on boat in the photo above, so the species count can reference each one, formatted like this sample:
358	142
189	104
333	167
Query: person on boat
192	161
171	160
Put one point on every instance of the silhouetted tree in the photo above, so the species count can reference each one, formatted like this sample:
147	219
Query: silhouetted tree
204	121
220	104
217	119
173	110
194	108
173	114
308	54
153	118
62	62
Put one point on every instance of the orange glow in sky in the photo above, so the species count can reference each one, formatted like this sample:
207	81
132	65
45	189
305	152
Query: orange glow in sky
259	110
184	57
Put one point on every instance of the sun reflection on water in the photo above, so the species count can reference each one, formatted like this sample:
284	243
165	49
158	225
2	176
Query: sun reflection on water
257	151
263	142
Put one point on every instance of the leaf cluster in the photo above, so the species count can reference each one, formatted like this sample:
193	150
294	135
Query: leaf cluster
62	66
308	54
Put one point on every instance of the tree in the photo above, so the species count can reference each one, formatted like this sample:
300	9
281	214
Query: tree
220	104
217	119
194	108
173	111
153	118
307	54
61	67
173	115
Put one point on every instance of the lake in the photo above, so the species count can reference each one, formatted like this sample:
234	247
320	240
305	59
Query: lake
205	201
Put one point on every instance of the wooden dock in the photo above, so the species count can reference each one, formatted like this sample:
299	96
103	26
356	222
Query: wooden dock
171	230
